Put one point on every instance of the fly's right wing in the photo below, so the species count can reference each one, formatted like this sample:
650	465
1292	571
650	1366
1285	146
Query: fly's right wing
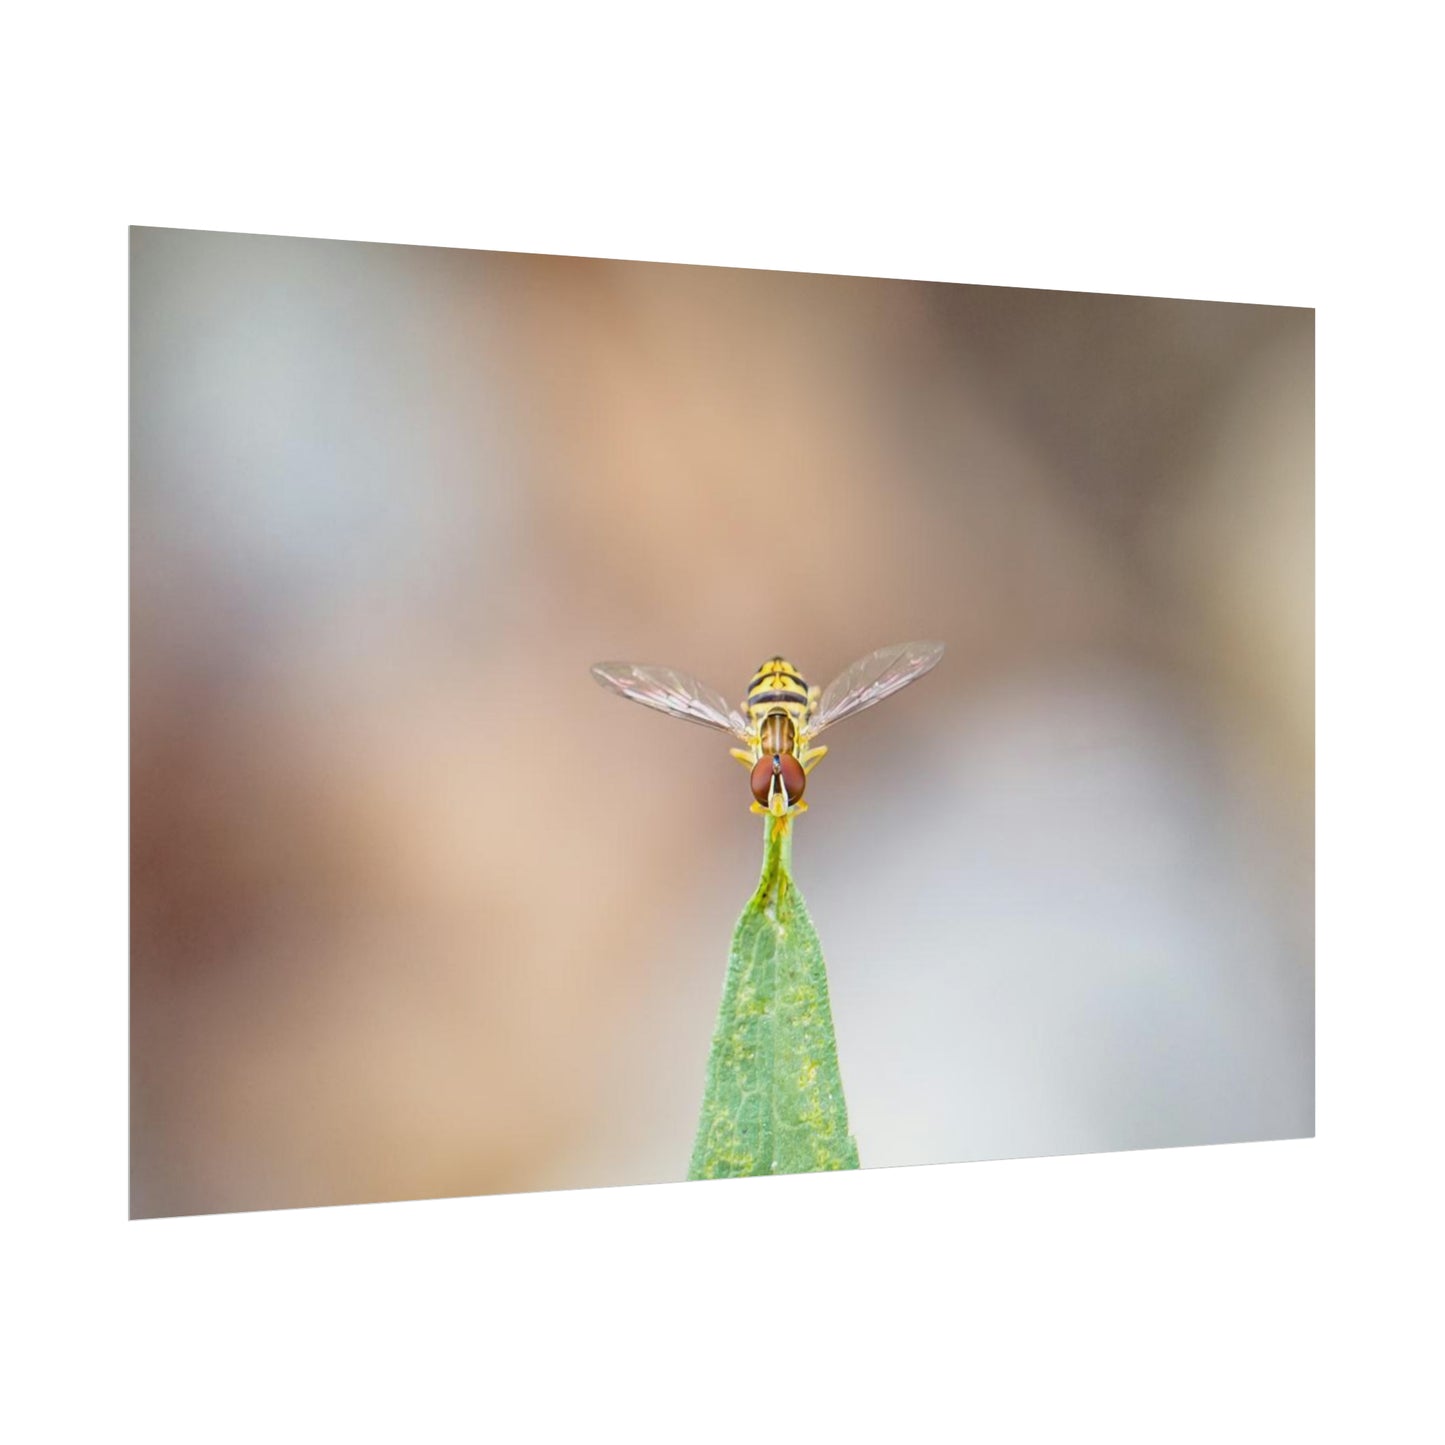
871	679
676	693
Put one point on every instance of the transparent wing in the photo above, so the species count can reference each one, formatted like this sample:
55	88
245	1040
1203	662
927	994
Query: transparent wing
871	679
673	692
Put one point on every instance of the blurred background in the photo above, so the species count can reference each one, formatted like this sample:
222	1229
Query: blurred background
419	910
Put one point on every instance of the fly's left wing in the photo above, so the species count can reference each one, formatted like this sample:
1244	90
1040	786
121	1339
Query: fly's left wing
671	691
871	679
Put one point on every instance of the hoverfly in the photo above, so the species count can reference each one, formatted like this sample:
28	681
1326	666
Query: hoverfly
781	715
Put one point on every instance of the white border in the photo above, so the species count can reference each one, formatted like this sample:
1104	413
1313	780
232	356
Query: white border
1240	152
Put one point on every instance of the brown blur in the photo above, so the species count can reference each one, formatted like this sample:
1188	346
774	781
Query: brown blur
418	910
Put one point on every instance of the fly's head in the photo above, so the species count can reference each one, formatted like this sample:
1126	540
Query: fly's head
778	781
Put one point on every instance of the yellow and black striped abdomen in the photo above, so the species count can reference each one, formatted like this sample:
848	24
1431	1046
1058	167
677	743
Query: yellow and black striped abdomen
778	703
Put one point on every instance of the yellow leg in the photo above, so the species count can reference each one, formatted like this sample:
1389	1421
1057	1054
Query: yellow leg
811	757
799	807
746	759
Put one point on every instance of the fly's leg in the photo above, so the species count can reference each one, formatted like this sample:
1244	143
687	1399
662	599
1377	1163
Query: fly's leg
749	755
779	807
811	757
782	817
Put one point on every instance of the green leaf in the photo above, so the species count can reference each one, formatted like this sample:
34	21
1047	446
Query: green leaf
774	1100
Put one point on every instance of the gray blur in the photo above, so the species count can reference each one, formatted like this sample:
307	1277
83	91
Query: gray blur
418	910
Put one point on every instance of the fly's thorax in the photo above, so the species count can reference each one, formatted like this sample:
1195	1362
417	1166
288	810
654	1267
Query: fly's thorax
778	732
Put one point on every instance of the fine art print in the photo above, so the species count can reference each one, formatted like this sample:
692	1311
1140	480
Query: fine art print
993	613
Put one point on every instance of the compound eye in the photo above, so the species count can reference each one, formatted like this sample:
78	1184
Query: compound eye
794	778
788	772
761	780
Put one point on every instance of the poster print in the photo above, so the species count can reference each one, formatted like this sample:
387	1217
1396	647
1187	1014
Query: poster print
995	609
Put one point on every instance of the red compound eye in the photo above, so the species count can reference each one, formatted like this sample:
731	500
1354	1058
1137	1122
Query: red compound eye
762	779
789	772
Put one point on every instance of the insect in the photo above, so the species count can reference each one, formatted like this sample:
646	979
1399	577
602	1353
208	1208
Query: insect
781	715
